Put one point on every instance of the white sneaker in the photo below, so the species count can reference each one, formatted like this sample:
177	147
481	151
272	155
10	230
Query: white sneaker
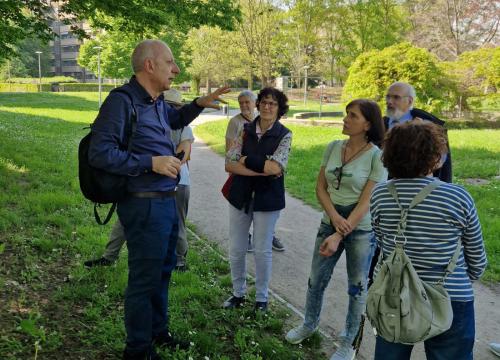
344	352
495	348
299	334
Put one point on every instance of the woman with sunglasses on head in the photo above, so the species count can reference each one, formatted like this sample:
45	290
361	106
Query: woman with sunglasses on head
258	161
349	171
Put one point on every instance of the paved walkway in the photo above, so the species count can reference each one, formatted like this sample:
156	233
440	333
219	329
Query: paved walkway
297	227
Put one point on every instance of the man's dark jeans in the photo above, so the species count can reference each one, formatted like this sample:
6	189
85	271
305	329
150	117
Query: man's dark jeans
151	229
454	344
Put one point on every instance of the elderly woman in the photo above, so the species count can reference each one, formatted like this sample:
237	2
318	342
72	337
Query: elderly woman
349	171
258	160
246	100
435	227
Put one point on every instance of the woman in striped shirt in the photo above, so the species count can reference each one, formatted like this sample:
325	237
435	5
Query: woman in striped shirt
434	229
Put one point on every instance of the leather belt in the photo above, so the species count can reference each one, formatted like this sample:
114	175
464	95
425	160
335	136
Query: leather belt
154	194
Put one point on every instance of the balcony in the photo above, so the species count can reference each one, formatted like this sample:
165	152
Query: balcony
69	55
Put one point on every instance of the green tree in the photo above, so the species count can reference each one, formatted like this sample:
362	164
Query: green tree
215	55
257	28
298	40
117	48
24	18
372	73
479	70
25	62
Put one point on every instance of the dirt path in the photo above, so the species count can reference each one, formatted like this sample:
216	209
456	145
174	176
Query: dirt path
297	228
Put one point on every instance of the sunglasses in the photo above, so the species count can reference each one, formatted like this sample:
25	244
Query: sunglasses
337	172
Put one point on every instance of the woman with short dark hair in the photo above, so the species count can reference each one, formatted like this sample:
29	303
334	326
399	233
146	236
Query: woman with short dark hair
445	219
348	173
258	161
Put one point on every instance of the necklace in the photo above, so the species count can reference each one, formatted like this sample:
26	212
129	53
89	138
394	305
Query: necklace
337	172
344	161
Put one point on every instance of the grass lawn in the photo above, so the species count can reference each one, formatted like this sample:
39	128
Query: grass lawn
53	308
476	154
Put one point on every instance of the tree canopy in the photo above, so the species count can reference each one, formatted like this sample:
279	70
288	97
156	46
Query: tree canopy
25	18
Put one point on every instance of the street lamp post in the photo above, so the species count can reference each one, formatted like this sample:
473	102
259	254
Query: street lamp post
305	83
39	71
98	48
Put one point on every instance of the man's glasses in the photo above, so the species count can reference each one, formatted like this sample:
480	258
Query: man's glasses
337	172
270	104
394	97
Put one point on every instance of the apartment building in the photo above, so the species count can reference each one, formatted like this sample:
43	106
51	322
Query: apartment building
65	48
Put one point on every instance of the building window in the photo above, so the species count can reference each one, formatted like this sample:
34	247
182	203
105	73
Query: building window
69	63
72	48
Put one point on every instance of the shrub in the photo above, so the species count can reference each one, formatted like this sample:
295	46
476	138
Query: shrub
372	72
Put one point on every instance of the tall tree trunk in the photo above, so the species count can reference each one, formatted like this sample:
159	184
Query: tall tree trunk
209	90
250	79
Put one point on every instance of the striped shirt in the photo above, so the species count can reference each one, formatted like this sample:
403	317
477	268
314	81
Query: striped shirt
433	229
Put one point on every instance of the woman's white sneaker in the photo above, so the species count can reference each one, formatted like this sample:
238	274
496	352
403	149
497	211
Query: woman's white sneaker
299	334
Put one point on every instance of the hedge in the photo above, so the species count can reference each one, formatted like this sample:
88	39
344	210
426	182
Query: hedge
85	87
45	80
23	87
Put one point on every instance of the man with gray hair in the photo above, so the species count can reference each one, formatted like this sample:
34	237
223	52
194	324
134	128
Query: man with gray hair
148	213
400	99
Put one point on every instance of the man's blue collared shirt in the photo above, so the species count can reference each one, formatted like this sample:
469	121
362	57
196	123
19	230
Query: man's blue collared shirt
155	119
406	117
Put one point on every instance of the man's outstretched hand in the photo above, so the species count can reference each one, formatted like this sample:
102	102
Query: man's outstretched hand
209	101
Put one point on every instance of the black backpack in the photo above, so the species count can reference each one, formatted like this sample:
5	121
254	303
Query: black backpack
98	185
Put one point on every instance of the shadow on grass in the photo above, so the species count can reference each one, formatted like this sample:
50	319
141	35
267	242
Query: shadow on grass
46	100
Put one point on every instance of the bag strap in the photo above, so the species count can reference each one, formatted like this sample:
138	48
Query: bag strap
130	127
108	217
421	195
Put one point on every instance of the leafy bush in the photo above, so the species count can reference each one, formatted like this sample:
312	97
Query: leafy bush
373	72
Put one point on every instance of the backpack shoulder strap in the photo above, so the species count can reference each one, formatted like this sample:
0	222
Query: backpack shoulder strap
130	124
421	195
130	127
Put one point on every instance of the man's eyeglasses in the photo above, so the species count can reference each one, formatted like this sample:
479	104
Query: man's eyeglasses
395	97
270	104
337	172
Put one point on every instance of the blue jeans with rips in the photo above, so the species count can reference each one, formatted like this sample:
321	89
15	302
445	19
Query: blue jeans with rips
358	246
454	344
151	228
